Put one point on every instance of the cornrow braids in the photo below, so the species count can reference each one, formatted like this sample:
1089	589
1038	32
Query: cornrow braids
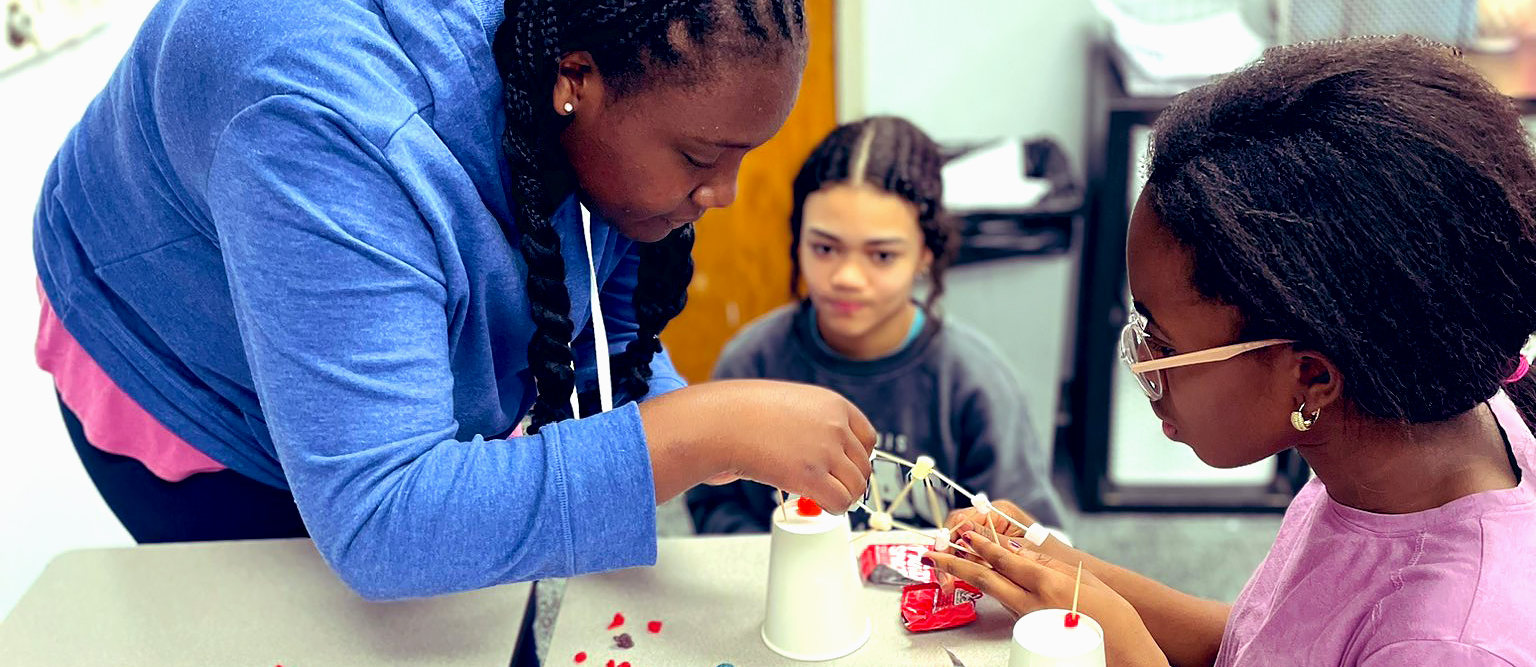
891	154
632	43
1373	199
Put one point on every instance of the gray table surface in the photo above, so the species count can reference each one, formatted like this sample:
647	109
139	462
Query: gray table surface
709	594
258	603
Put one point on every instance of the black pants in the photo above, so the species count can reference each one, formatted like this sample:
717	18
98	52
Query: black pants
223	505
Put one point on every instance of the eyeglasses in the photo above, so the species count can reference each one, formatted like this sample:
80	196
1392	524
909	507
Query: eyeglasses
1148	366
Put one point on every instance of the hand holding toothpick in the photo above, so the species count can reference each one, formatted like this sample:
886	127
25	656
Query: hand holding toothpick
1030	581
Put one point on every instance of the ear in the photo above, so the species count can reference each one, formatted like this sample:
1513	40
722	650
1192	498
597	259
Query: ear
1318	381
577	83
925	262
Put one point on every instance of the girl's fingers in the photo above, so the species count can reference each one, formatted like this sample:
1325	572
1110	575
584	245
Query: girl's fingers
988	581
1031	570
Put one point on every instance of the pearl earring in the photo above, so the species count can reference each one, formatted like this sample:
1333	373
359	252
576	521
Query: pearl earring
568	108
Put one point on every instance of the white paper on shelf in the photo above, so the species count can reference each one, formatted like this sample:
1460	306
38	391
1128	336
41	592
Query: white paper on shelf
992	178
1190	51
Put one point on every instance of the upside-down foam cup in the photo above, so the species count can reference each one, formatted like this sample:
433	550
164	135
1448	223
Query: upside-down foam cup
813	608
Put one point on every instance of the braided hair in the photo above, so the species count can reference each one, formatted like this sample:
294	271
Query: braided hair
890	154
631	42
1373	199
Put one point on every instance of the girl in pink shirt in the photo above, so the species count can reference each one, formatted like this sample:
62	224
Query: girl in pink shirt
1335	252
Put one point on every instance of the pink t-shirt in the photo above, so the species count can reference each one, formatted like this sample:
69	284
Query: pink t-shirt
1446	587
113	422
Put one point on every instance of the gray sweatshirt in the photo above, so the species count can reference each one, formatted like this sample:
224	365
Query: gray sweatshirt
947	394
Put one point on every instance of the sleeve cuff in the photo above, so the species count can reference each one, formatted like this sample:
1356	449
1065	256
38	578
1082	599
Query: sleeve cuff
609	495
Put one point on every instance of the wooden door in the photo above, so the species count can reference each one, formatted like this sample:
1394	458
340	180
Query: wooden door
741	255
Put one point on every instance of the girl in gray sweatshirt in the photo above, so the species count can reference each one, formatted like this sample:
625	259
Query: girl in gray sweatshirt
868	227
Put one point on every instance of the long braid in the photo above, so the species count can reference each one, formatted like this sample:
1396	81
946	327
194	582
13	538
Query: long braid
531	28
623	36
666	268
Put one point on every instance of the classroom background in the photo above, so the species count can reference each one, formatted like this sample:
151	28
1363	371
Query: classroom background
1044	106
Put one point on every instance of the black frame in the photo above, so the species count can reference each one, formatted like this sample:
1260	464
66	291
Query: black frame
1113	116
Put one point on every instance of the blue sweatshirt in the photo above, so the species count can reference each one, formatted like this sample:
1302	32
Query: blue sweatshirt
277	229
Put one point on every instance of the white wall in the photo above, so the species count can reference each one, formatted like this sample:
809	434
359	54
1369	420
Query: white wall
47	504
967	70
973	70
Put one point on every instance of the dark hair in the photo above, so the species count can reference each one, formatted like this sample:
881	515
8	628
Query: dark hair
1372	199
632	42
893	155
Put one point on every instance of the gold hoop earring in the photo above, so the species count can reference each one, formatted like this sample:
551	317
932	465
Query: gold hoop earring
1300	421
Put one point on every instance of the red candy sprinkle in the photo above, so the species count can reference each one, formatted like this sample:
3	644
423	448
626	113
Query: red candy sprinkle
618	620
1071	620
610	663
623	664
653	626
807	507
581	657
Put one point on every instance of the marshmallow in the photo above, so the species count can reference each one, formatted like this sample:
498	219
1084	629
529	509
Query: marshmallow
881	521
922	467
981	503
1037	534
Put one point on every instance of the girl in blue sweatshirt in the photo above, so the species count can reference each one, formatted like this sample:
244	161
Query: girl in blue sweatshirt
306	265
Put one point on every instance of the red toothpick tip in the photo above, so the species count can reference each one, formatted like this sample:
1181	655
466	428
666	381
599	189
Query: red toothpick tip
807	507
618	620
1071	620
653	626
581	657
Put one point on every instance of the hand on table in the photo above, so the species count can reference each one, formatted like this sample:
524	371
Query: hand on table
1024	580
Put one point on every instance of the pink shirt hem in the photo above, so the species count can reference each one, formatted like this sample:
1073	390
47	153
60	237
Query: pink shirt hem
113	422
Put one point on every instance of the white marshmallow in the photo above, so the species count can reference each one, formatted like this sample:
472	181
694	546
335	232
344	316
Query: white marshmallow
881	521
981	503
1037	534
923	467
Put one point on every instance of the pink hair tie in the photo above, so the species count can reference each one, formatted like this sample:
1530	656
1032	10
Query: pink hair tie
1520	371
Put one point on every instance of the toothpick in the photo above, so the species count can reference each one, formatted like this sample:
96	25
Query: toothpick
1007	518
903	495
874	488
993	530
1077	587
952	485
958	547
933	504
880	453
784	504
915	531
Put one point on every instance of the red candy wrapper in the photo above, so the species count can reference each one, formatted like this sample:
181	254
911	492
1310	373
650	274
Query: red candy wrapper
895	565
920	612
